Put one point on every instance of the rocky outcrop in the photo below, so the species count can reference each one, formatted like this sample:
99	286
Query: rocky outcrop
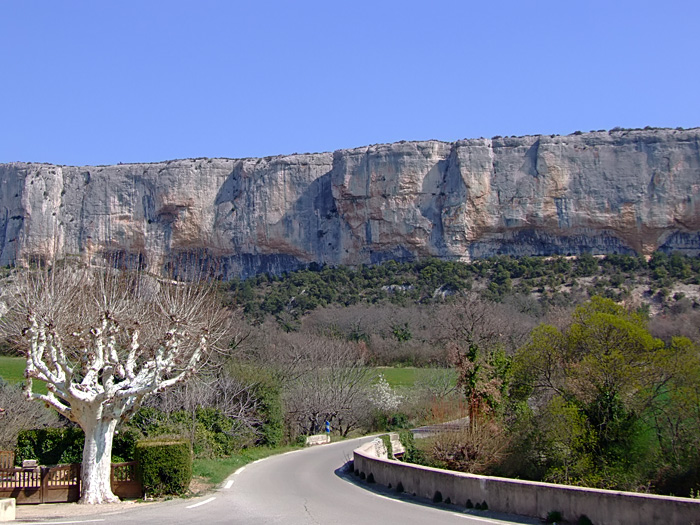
618	191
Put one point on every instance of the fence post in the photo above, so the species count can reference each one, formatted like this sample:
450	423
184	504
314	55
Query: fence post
44	484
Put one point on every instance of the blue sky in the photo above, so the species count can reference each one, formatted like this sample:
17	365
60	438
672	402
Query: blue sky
95	82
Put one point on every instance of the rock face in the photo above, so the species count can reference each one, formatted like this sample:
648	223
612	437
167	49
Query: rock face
603	192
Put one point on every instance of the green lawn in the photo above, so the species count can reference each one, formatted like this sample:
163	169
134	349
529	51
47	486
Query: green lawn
406	377
12	371
215	471
12	368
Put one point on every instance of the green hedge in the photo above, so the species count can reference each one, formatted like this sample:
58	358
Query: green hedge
165	467
55	446
50	446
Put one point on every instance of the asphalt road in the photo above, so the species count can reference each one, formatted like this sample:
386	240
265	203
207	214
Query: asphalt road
302	487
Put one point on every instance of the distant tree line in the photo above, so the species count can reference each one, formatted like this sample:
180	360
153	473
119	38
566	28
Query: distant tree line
552	281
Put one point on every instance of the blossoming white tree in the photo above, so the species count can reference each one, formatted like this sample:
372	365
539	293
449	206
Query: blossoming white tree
102	340
383	397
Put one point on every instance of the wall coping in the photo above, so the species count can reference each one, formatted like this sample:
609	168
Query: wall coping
365	450
523	497
317	439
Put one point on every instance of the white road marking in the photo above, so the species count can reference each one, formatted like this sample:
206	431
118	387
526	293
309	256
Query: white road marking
239	471
201	503
61	522
229	484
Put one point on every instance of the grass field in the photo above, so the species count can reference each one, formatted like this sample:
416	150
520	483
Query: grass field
12	371
12	368
406	377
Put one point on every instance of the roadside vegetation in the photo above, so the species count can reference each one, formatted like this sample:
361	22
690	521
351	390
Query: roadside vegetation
215	470
581	370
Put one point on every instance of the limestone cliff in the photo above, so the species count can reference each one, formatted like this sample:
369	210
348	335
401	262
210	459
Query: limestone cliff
618	191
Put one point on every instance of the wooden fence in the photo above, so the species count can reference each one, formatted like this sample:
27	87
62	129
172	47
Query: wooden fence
7	459
125	480
61	484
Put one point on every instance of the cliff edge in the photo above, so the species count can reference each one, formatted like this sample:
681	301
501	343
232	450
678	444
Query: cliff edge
604	192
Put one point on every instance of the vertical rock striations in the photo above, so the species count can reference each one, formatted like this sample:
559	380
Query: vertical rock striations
619	191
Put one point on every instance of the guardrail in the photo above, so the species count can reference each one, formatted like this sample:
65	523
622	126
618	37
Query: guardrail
526	498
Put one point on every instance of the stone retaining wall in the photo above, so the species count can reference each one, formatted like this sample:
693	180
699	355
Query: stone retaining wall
527	498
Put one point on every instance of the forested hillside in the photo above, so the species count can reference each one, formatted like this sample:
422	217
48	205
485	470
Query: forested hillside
665	285
577	370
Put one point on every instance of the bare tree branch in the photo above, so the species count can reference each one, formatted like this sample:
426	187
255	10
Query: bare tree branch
102	340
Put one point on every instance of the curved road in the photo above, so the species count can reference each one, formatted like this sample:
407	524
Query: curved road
301	487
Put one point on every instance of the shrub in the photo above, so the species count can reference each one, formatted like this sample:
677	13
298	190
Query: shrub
395	421
469	449
412	454
165	467
124	444
437	497
584	520
554	516
50	446
266	390
387	444
213	434
270	409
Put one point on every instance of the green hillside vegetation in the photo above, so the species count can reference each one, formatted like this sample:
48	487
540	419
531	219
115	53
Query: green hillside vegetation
581	370
552	281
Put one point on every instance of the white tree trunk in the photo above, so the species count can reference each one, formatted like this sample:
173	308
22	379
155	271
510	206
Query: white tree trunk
97	462
83	342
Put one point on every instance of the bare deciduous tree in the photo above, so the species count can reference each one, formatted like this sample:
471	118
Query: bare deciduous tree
231	396
17	413
102	340
328	383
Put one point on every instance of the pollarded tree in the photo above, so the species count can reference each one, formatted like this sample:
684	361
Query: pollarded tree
102	340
